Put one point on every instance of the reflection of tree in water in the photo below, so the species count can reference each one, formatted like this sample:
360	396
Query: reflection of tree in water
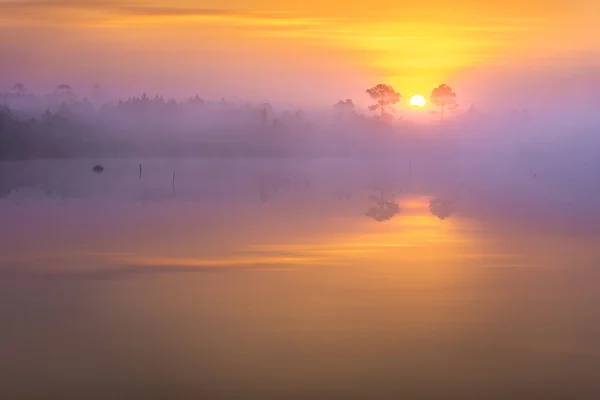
270	183
441	208
385	208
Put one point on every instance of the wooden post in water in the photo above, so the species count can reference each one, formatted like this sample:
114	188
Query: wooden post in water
173	182
140	171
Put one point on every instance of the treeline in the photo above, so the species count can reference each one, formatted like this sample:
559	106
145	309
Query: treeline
64	134
53	134
62	125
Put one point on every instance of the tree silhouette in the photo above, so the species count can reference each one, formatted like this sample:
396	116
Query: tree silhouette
441	208
196	100
62	94
63	87
342	108
443	96
21	100
384	96
384	209
265	110
19	89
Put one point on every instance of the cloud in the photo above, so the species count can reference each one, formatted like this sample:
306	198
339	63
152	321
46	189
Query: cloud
108	5
94	14
123	9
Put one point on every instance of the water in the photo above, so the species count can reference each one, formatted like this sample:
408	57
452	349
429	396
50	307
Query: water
298	279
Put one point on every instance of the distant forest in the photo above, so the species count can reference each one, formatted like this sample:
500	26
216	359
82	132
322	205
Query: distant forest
63	125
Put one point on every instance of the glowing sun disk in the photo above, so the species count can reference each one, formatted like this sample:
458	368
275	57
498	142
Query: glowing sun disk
417	101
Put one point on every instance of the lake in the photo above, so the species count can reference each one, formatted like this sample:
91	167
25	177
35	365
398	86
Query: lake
424	277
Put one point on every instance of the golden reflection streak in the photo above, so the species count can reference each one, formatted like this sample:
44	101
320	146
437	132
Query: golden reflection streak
414	242
413	236
221	262
218	19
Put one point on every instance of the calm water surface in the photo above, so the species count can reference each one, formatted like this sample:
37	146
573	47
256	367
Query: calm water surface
297	279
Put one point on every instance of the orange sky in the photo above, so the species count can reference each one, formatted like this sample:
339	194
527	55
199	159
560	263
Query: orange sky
311	51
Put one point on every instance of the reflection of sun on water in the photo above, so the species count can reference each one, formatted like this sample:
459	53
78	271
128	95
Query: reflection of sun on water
414	244
417	244
422	241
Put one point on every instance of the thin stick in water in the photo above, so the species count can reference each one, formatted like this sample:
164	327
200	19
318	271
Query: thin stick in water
140	171
173	182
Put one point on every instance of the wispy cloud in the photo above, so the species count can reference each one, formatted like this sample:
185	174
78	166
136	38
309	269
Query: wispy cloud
119	7
15	12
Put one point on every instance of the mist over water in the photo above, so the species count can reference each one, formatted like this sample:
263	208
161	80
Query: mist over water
468	263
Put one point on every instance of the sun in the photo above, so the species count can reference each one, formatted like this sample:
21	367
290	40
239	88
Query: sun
418	101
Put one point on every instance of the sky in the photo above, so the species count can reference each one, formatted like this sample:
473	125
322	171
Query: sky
511	53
